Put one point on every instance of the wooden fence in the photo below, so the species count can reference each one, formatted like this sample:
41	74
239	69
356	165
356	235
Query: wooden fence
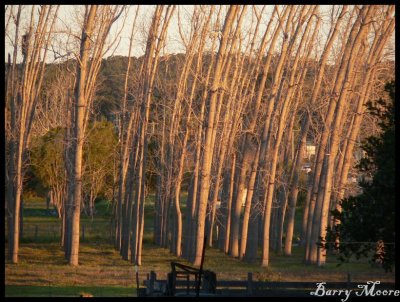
243	288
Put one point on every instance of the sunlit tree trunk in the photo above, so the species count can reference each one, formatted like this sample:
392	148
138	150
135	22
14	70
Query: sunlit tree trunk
23	89
302	140
266	138
324	190
90	49
208	149
124	143
314	206
156	40
334	143
235	49
297	163
81	103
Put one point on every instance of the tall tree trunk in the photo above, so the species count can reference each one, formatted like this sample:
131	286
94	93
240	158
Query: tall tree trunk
124	143
334	143
229	199
374	53
23	88
220	156
155	43
268	195
81	103
303	136
248	205
208	149
311	251
190	52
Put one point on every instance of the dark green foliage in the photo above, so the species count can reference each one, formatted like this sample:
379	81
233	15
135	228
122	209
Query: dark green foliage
47	160
33	185
370	216
99	153
301	199
111	85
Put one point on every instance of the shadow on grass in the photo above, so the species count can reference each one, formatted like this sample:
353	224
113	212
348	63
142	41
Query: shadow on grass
35	212
68	291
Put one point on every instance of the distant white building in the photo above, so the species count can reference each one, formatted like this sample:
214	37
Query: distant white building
306	168
310	150
243	199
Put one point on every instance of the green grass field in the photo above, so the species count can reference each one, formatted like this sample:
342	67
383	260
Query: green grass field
43	271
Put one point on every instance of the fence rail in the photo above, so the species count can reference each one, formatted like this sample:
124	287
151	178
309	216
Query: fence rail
39	232
247	287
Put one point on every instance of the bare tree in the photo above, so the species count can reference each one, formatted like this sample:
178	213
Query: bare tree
124	140
304	131
334	143
96	26
208	148
23	88
137	165
339	75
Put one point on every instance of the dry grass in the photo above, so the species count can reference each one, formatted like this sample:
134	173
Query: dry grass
45	265
101	265
42	264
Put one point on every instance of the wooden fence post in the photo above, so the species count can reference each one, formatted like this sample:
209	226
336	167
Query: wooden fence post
153	278
249	283
348	280
201	267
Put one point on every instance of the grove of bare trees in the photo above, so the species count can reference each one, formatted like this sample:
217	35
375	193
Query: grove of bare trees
219	133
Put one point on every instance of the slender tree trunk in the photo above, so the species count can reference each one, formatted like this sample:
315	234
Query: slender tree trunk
221	154
23	88
229	205
208	149
374	54
81	103
274	154
195	39
124	143
311	250
249	198
347	84
155	42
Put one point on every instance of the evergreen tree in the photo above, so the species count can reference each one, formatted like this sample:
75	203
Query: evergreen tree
367	221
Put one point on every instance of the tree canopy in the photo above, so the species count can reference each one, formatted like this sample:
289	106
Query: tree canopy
48	164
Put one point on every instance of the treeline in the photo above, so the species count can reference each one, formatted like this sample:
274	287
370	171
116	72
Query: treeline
231	117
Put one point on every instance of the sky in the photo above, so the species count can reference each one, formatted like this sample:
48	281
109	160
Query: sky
68	20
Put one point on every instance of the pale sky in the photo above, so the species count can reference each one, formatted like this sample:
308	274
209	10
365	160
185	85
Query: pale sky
68	20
